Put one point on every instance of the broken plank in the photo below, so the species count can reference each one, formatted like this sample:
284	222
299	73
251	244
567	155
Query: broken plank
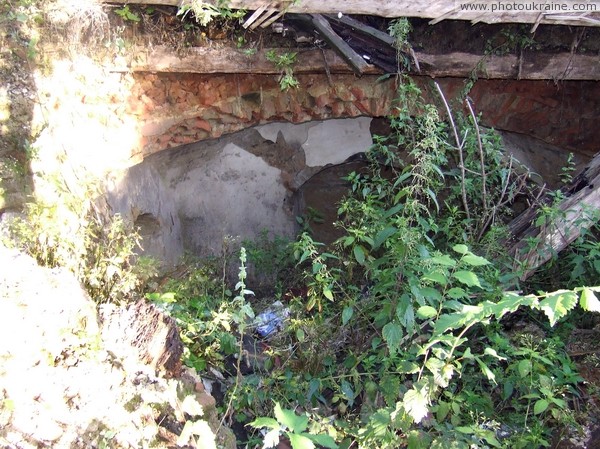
254	16
320	24
362	28
575	213
264	18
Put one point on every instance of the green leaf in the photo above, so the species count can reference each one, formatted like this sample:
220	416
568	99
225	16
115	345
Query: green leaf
509	303
368	240
444	260
589	301
431	194
393	211
486	370
418	440
347	314
259	423
167	298
348	241
468	355
524	368
416	404
323	440
392	334
507	390
448	322
491	439
300	441
474	261
456	293
445	443
468	278
540	406
493	353
461	249
359	254
442	372
382	236
390	386
290	420
405	312
327	293
425	312
467	316
556	305
442	411
436	276
430	293
304	256
348	392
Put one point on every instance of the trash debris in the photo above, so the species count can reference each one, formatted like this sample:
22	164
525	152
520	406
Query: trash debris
271	320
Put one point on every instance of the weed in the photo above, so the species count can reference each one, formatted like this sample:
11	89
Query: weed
402	315
205	12
127	15
70	232
400	29
566	172
285	63
295	427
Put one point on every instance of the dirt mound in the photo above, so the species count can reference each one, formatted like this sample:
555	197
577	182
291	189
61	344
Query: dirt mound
61	387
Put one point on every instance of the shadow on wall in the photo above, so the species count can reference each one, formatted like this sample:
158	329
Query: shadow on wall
195	197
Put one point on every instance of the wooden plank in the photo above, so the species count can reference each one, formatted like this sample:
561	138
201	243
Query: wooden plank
265	18
254	16
431	9
230	60
319	23
272	19
361	28
535	66
577	213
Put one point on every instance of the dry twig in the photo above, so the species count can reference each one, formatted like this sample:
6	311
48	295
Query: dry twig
459	146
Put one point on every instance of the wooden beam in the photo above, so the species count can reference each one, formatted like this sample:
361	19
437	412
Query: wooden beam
430	9
361	28
335	42
575	213
534	66
230	60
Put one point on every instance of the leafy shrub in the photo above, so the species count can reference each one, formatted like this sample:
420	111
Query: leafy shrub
407	312
68	231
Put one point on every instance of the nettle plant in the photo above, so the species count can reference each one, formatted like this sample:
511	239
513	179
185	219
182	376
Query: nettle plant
411	300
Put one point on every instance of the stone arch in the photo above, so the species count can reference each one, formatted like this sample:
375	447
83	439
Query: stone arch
197	196
179	109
